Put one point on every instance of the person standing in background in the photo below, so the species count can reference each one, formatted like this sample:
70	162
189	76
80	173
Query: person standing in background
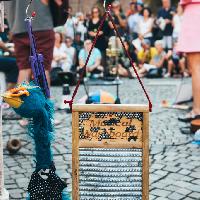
189	43
102	42
119	19
140	6
70	51
177	19
70	25
165	13
133	22
132	8
81	28
42	30
145	25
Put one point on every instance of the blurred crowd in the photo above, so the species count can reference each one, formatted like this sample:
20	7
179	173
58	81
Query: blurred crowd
149	38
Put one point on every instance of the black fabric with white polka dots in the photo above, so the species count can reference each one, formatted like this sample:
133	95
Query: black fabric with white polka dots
49	189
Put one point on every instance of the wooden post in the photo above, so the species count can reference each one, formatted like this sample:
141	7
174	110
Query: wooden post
110	152
4	195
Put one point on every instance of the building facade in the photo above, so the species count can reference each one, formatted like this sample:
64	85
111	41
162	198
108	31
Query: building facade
86	5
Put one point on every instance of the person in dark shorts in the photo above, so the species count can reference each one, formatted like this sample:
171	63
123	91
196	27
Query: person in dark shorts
176	61
42	30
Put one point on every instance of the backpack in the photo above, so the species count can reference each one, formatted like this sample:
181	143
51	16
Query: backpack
59	13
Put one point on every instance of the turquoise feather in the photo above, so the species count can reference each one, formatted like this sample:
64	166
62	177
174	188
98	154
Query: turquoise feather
40	111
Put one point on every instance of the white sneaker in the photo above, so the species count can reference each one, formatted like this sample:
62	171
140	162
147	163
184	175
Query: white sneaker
167	75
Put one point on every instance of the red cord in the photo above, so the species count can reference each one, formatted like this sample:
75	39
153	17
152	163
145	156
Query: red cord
127	53
87	60
107	14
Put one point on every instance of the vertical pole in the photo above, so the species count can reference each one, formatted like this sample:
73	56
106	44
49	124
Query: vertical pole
1	143
4	195
1	16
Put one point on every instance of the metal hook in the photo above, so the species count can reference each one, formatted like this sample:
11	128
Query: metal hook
28	8
104	4
108	8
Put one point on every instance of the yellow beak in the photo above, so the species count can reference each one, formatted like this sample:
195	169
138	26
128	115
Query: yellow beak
14	102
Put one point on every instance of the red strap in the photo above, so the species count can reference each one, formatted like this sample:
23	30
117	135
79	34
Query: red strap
107	14
87	60
127	53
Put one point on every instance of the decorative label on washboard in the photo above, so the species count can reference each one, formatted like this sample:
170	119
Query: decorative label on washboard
110	152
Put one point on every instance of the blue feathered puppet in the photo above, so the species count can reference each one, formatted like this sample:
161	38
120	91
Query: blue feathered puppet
30	102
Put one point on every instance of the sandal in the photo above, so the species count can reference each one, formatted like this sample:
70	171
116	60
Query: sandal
188	117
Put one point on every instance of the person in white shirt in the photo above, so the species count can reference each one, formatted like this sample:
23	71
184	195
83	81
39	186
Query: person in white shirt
70	25
69	50
145	25
133	23
60	57
94	63
80	27
177	19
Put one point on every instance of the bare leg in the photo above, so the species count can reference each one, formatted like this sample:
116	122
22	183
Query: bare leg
142	72
194	64
170	67
122	71
182	65
24	75
48	78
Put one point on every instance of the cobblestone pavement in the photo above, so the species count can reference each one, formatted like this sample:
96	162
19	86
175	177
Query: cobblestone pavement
175	162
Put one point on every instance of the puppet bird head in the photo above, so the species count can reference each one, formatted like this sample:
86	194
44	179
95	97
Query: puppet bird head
29	101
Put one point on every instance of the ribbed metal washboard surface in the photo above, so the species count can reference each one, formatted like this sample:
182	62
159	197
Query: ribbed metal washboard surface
110	174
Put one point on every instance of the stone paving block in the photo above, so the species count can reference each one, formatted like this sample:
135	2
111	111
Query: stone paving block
195	175
195	195
22	182
171	168
157	166
166	159
16	194
172	188
154	178
152	197
183	184
197	169
197	181
187	178
175	196
196	188
158	185
160	193
161	172
176	176
187	166
184	172
161	198
183	191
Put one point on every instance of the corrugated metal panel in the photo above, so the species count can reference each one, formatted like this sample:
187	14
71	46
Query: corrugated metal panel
110	174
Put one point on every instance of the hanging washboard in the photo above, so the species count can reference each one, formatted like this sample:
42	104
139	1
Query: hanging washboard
110	152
